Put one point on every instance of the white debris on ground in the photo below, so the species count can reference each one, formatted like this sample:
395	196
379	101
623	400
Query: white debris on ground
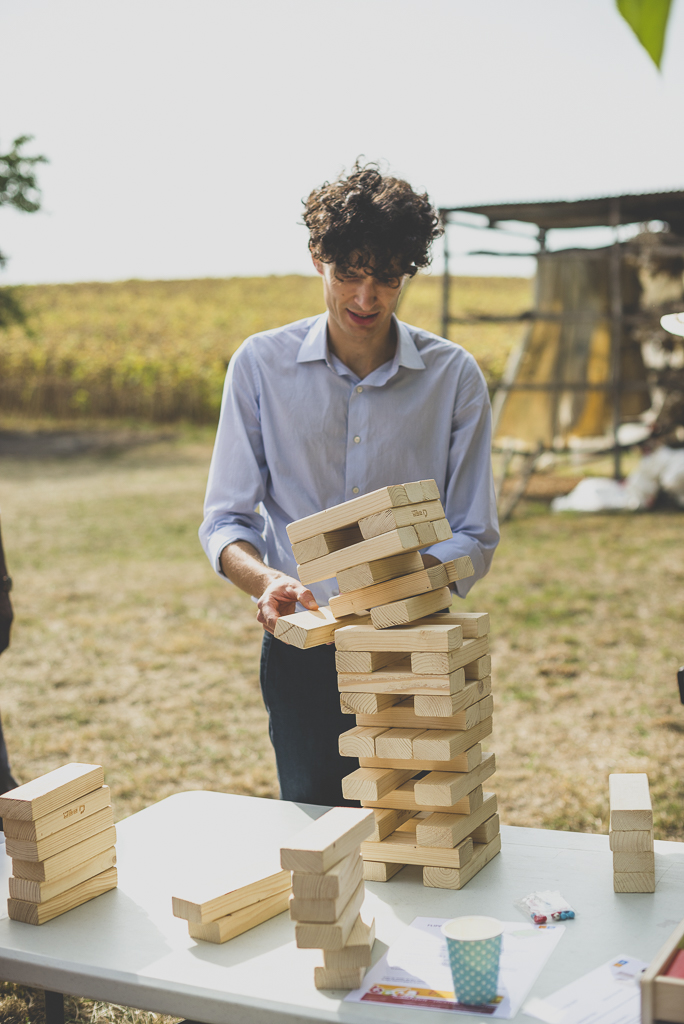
663	470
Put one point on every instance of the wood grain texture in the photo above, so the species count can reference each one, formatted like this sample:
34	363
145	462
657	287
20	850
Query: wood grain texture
403	716
403	798
241	921
360	601
202	904
400	613
464	762
64	817
445	744
634	881
347	513
631	841
447	830
421	490
396	743
439	662
444	789
406	515
66	862
41	849
473	624
331	936
459	569
309	629
45	794
408	538
448	704
39	913
327	909
402	848
628	862
652	1007
456	878
329	885
387	820
359	741
373	783
630	802
481	668
325	543
378	871
378	571
364	661
399	679
358	949
421	637
367	703
485	832
338	977
40	892
327	840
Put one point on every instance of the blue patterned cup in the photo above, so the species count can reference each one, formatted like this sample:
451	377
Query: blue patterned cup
474	945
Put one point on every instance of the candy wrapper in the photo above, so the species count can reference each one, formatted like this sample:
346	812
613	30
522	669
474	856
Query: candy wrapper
544	907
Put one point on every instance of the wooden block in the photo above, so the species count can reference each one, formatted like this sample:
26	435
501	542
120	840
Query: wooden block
338	977
473	624
433	533
360	741
669	1000
408	538
485	832
403	798
331	936
373	783
634	881
399	613
329	885
459	569
45	794
396	743
421	490
202	904
327	909
630	803
360	601
481	668
349	512
241	921
403	848
444	789
403	716
656	1002
433	637
64	817
378	571
327	840
367	703
41	849
308	629
40	892
438	662
399	679
387	820
364	661
39	913
378	871
447	830
629	862
456	878
325	543
358	950
444	705
66	862
406	515
633	841
446	744
464	762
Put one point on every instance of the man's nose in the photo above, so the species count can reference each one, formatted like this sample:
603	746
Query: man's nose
365	293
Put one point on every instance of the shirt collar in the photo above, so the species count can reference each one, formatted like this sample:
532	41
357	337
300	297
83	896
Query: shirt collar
315	346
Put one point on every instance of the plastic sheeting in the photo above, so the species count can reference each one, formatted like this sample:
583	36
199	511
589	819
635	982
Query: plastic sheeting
664	469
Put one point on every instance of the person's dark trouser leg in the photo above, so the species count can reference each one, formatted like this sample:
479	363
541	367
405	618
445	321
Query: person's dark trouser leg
7	781
300	693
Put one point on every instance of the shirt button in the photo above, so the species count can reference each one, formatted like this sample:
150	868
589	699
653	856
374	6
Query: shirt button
357	439
355	490
359	389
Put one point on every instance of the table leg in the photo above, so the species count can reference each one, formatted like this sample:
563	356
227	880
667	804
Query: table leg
54	1008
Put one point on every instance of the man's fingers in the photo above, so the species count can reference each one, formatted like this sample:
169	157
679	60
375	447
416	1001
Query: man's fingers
306	598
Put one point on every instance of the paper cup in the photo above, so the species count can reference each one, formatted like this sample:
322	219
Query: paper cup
474	945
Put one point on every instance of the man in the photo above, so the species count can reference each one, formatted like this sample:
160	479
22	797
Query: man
330	407
7	780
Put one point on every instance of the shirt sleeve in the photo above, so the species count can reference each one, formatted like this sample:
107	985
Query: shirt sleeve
470	502
238	471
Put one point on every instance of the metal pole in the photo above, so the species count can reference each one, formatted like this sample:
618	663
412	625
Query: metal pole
445	280
615	332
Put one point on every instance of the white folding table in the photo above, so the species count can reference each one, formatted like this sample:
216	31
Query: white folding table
126	947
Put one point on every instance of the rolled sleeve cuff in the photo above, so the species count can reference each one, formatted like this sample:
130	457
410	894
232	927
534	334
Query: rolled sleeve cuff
228	535
455	548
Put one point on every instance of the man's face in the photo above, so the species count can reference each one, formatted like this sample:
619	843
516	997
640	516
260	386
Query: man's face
359	305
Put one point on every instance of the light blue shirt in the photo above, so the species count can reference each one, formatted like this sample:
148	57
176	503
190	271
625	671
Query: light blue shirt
299	432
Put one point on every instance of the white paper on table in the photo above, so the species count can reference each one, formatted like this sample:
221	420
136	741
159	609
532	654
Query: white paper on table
415	971
608	995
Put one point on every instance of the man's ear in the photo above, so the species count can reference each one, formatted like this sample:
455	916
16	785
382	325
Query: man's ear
318	265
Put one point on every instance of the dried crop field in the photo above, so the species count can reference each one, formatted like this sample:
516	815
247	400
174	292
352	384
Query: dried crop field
158	350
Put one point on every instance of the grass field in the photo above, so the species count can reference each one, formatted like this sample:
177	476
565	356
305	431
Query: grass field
158	350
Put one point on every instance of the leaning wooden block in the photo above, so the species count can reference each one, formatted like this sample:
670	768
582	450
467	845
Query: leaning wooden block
364	661
329	885
634	862
368	574
459	569
40	892
408	538
448	830
633	841
444	744
41	849
349	512
409	638
308	629
464	762
399	679
327	840
65	817
338	977
373	783
39	913
444	705
473	624
630	802
327	909
358	602
403	848
396	743
353	703
325	543
242	920
359	741
634	881
402	612
405	515
47	793
403	716
202	904
387	821
481	668
436	663
331	936
66	862
358	950
485	832
456	878
444	789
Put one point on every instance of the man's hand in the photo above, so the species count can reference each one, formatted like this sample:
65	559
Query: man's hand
280	598
5	621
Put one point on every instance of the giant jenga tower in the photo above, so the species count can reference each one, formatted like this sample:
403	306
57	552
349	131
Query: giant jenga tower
418	682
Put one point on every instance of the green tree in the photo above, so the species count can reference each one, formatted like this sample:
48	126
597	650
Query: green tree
18	188
648	21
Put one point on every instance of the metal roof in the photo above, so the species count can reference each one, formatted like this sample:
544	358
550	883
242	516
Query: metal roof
582	213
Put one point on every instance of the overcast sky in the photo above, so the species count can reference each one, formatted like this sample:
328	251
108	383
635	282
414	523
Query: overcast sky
182	134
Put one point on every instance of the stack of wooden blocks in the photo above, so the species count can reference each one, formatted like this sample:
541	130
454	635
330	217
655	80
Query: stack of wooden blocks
418	682
328	892
631	833
59	831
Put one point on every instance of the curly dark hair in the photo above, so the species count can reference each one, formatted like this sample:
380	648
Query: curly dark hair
370	221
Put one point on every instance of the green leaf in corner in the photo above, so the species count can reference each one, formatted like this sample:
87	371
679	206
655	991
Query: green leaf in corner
648	21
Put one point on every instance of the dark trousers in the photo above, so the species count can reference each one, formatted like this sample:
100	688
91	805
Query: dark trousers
300	693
